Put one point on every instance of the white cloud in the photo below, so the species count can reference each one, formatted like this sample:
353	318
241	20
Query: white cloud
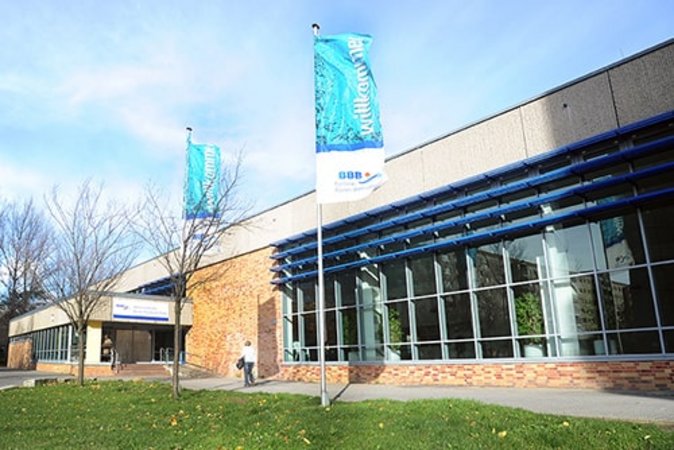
19	182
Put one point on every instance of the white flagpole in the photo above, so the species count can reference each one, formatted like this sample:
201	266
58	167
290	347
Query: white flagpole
183	248
325	398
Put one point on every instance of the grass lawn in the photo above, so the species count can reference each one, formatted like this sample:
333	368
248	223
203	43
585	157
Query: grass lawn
142	415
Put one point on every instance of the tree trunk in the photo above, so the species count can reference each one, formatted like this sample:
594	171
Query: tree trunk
80	353
177	332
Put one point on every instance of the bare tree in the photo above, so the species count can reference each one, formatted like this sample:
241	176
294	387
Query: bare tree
93	246
25	245
184	246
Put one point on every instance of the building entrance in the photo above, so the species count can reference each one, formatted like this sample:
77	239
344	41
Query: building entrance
142	344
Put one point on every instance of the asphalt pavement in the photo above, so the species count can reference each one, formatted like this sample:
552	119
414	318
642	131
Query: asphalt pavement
632	406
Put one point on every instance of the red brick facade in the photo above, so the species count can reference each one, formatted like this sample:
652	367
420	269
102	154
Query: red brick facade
90	370
624	375
20	355
238	305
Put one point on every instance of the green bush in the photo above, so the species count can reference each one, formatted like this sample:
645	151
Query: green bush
395	329
529	316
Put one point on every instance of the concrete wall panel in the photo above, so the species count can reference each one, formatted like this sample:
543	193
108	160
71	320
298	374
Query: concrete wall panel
303	213
644	87
480	148
574	113
141	274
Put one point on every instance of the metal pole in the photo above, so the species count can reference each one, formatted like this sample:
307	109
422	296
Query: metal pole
325	398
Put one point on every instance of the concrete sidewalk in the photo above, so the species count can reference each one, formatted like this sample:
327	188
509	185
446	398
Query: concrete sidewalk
630	406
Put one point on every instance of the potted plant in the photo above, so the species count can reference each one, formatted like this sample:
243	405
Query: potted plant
529	315
350	337
395	332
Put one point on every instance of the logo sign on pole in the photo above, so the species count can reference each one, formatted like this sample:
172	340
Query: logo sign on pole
349	142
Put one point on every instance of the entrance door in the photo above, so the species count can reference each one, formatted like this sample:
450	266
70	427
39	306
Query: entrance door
134	345
163	344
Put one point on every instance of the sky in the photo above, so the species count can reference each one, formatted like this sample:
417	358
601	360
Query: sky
104	90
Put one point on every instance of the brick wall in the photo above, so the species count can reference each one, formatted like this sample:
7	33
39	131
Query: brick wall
20	355
623	375
237	304
20	358
90	370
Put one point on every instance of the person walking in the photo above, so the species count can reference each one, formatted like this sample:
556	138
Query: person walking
249	358
106	348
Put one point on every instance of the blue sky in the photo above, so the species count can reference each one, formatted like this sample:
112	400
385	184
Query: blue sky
104	90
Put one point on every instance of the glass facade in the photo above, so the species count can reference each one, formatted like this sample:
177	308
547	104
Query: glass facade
567	255
52	344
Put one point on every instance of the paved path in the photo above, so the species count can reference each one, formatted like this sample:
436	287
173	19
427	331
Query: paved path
10	378
572	402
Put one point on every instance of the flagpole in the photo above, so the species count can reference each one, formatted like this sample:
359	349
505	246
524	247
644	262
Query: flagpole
325	398
183	250
182	234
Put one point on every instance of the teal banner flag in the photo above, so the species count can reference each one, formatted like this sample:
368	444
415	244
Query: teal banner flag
202	183
349	141
347	112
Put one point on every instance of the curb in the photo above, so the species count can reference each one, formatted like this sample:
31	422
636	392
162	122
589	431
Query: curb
32	382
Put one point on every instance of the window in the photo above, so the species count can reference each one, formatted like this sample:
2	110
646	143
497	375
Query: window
347	288
525	255
309	321
427	321
488	265
308	292
664	287
569	250
398	323
617	242
423	275
659	223
453	270
493	313
627	300
51	344
458	316
394	279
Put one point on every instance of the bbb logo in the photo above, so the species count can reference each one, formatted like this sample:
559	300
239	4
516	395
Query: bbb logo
350	175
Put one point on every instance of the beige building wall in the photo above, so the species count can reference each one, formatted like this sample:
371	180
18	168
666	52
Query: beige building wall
53	316
644	87
568	115
94	339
